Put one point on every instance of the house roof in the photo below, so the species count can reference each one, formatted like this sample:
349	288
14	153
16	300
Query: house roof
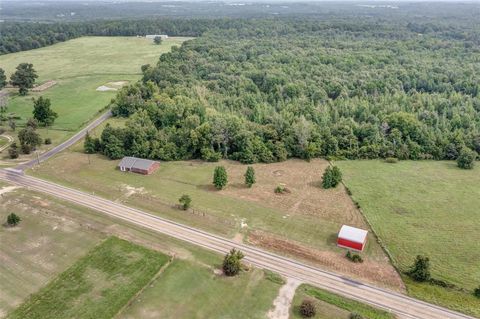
353	234
134	162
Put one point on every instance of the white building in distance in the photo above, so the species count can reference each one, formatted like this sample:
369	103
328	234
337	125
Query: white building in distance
153	36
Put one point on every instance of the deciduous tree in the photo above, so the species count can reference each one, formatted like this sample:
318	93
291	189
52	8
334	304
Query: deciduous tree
42	111
466	159
24	77
185	201
331	177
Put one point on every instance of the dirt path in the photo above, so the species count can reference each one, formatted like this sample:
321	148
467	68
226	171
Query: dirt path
10	140
7	189
281	304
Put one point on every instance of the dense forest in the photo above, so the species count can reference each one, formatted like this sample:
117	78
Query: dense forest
270	89
56	21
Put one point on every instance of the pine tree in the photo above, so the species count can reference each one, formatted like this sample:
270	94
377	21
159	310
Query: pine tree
250	176
420	271
220	178
232	262
13	219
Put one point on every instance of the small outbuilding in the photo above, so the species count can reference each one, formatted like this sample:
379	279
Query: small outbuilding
352	238
138	165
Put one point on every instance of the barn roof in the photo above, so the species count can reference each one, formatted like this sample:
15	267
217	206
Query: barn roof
353	234
134	162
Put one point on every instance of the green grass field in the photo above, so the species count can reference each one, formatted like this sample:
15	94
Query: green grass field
3	141
98	285
429	208
332	306
191	290
80	66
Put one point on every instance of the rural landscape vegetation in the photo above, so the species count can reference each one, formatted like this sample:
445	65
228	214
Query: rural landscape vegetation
259	130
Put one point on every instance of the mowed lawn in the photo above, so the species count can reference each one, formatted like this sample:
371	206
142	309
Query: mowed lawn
188	289
80	66
41	246
425	207
98	285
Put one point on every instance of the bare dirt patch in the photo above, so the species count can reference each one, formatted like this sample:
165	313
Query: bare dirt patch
372	271
281	304
305	196
112	86
44	86
7	189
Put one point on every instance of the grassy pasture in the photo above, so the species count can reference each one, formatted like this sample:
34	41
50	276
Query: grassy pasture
429	208
80	66
191	290
96	286
307	219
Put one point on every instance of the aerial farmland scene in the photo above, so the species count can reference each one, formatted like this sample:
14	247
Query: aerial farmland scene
239	159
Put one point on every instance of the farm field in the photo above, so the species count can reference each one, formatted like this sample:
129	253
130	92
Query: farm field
429	208
97	285
332	306
79	67
55	237
44	244
191	290
303	223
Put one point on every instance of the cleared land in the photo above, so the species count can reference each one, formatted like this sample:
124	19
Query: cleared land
429	208
332	306
79	67
192	290
44	244
53	235
302	223
96	286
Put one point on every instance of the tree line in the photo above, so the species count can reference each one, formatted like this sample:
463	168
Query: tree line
275	89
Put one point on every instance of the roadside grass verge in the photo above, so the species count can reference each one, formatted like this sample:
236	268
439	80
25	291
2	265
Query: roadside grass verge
188	289
330	305
96	286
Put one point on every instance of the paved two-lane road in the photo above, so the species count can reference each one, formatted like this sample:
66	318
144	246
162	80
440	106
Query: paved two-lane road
74	139
403	306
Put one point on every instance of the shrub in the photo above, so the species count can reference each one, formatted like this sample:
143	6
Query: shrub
185	201
232	262
13	219
420	271
466	159
356	258
355	315
26	148
13	151
307	309
48	141
331	177
391	160
250	176
476	292
220	178
280	189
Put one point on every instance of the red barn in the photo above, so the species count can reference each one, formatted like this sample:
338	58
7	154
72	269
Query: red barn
352	238
138	165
